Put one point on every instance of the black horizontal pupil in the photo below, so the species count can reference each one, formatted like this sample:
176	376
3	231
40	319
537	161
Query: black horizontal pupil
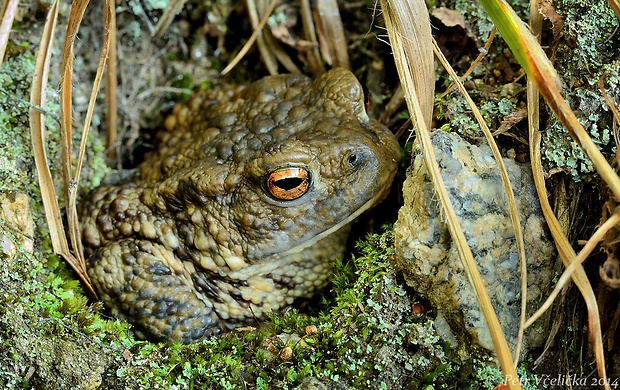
289	183
352	159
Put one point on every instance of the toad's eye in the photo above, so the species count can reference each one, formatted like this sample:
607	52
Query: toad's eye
288	183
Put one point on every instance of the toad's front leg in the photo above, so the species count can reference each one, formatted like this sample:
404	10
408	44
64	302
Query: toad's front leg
145	283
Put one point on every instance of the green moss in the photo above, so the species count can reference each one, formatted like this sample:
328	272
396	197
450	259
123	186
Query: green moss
367	338
44	323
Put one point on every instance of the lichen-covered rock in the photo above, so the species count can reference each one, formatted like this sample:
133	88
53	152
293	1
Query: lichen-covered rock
430	262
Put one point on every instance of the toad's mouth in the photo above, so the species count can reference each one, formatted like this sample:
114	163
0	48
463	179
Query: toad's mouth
364	207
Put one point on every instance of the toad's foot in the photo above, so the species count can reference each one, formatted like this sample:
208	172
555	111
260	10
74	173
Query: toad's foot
150	288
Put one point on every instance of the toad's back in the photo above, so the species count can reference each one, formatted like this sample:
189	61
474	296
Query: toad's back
243	207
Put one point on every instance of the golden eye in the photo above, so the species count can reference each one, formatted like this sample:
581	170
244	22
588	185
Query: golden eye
288	183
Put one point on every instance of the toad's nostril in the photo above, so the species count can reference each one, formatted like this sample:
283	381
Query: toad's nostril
355	159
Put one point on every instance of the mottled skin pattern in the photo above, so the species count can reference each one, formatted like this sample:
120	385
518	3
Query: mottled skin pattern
198	243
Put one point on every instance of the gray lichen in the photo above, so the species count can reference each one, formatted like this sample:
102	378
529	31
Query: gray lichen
587	53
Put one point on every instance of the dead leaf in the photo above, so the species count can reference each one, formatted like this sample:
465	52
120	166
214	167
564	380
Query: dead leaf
510	120
546	9
449	17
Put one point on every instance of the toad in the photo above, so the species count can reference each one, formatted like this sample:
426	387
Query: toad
242	209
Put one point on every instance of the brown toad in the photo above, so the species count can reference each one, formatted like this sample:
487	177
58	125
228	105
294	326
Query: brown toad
242	209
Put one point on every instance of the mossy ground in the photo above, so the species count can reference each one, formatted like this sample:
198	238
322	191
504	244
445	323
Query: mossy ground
365	335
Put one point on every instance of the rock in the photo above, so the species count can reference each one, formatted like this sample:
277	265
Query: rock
15	213
430	263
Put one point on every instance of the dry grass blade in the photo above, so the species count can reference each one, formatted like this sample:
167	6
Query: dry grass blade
66	95
564	248
103	58
314	55
6	21
270	48
280	54
269	59
402	20
75	18
331	26
414	32
512	203
37	128
167	17
257	32
110	88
